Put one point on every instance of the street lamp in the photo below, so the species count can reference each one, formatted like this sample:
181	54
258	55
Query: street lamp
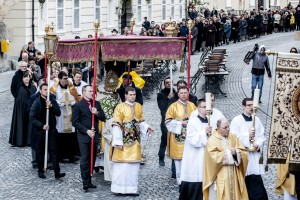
50	41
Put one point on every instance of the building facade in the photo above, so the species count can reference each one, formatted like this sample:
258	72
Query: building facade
27	19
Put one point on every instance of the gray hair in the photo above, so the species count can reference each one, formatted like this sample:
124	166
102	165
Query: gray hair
219	122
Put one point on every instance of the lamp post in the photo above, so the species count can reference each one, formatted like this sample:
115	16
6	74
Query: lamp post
50	41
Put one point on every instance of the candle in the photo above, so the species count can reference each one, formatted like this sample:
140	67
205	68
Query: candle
208	101
256	97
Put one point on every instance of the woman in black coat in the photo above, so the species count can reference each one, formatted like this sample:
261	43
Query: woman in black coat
19	126
211	32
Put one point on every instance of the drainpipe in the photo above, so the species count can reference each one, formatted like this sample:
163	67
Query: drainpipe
32	20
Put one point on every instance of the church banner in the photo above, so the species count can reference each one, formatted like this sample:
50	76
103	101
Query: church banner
285	130
121	48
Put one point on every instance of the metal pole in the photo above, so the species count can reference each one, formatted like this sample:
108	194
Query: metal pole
96	24
47	121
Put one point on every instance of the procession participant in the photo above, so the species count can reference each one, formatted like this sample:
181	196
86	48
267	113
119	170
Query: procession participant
225	164
285	182
66	96
19	135
177	117
128	127
241	126
17	78
215	113
163	102
191	98
121	89
78	82
108	100
39	127
82	121
193	155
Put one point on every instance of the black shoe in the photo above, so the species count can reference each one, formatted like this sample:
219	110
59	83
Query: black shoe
97	169
42	175
59	175
260	101
85	187
161	163
135	195
91	185
173	176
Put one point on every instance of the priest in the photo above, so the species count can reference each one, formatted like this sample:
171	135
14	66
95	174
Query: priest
66	96
241	126
193	155
127	128
225	164
177	117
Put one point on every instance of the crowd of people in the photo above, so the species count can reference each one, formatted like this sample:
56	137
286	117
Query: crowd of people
202	156
214	28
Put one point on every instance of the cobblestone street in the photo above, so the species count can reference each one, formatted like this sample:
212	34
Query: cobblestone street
20	181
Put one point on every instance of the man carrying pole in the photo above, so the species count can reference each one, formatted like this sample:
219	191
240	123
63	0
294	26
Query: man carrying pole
88	133
44	121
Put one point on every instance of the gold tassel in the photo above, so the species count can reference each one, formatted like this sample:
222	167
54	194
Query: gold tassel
73	69
115	64
142	65
182	66
128	62
156	62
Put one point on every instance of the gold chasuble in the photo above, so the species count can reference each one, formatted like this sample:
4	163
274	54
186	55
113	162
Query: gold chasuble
284	179
222	171
179	112
128	117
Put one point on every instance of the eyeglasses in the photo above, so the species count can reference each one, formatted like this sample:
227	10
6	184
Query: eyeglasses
293	51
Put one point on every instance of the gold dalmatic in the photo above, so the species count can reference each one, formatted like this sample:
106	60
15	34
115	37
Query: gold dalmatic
128	117
177	111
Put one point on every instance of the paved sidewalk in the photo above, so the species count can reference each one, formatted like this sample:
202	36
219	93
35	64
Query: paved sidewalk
20	181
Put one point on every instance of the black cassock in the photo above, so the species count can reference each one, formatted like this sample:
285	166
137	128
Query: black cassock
19	125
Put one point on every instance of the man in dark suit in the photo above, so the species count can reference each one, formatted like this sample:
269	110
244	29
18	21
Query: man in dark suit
82	121
39	127
121	90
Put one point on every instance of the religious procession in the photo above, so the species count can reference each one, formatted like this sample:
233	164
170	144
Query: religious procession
165	116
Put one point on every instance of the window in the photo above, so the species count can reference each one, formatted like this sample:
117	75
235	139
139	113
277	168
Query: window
111	12
98	10
60	15
42	18
180	9
149	10
76	14
139	11
240	4
164	10
228	3
172	9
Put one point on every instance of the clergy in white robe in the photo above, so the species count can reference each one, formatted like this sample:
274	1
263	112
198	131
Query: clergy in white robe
66	96
193	155
128	127
241	126
78	83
